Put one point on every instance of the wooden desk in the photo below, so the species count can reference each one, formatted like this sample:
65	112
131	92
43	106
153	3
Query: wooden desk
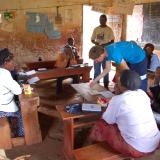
29	104
70	124
61	72
85	91
42	64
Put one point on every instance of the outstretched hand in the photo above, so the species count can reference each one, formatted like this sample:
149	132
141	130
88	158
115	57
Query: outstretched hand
92	83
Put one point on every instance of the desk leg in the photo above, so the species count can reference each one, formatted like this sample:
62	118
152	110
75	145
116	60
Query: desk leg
86	77
68	138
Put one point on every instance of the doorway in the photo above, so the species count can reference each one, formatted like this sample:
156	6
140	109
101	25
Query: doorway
90	21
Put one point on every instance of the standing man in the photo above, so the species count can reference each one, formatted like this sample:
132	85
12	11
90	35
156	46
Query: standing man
102	36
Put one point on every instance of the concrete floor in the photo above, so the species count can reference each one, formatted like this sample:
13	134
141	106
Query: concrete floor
52	126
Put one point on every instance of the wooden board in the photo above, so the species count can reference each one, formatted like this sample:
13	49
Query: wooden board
5	140
99	151
29	104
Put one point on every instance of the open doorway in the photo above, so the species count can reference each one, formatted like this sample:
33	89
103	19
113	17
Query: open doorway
90	21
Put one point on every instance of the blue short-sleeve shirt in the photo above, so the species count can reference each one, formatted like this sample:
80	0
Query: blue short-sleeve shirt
129	51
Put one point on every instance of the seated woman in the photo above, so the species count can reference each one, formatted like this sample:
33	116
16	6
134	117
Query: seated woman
153	60
9	88
128	124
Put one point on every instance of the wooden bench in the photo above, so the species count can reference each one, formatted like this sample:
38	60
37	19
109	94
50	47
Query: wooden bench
99	151
6	141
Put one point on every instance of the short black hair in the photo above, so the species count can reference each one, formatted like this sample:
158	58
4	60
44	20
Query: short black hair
150	45
70	39
103	16
130	80
5	55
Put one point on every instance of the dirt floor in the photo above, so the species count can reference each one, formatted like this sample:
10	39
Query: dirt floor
52	126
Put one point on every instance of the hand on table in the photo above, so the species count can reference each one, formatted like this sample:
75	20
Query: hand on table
92	84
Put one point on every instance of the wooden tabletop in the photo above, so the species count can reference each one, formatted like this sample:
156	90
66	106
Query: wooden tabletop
88	93
61	72
65	115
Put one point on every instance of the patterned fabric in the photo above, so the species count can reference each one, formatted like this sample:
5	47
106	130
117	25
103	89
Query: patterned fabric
19	118
111	134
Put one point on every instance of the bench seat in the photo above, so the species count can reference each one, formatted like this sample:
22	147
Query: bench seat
99	151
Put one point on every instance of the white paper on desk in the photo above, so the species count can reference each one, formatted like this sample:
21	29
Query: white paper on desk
42	69
22	73
91	107
107	94
33	80
94	92
30	72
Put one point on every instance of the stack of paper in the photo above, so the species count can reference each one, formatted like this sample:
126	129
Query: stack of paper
91	107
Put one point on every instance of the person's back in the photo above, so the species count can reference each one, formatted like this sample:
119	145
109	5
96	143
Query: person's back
128	123
120	50
135	120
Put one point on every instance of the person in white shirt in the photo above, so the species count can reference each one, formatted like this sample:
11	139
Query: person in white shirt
9	88
128	124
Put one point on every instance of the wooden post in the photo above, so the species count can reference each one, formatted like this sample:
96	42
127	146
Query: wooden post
29	105
5	140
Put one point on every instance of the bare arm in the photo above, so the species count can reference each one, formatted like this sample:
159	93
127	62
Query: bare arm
105	71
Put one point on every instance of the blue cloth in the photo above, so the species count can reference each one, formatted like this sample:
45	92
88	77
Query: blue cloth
141	69
134	56
129	51
154	62
97	71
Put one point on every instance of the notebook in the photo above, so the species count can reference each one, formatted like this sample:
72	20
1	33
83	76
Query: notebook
91	107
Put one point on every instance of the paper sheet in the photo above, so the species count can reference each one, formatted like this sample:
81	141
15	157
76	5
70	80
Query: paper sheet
91	107
33	80
107	94
30	72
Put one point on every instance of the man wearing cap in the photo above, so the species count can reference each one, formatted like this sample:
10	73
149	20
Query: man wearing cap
102	36
127	55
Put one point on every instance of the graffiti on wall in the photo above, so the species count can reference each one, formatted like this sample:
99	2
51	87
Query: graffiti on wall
39	23
34	34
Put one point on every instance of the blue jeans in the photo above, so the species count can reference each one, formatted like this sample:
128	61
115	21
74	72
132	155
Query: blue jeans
97	71
141	69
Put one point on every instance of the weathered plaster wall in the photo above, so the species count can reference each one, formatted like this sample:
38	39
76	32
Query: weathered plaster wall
27	46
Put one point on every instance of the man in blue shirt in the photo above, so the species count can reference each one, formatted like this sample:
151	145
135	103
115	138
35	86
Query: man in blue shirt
127	55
